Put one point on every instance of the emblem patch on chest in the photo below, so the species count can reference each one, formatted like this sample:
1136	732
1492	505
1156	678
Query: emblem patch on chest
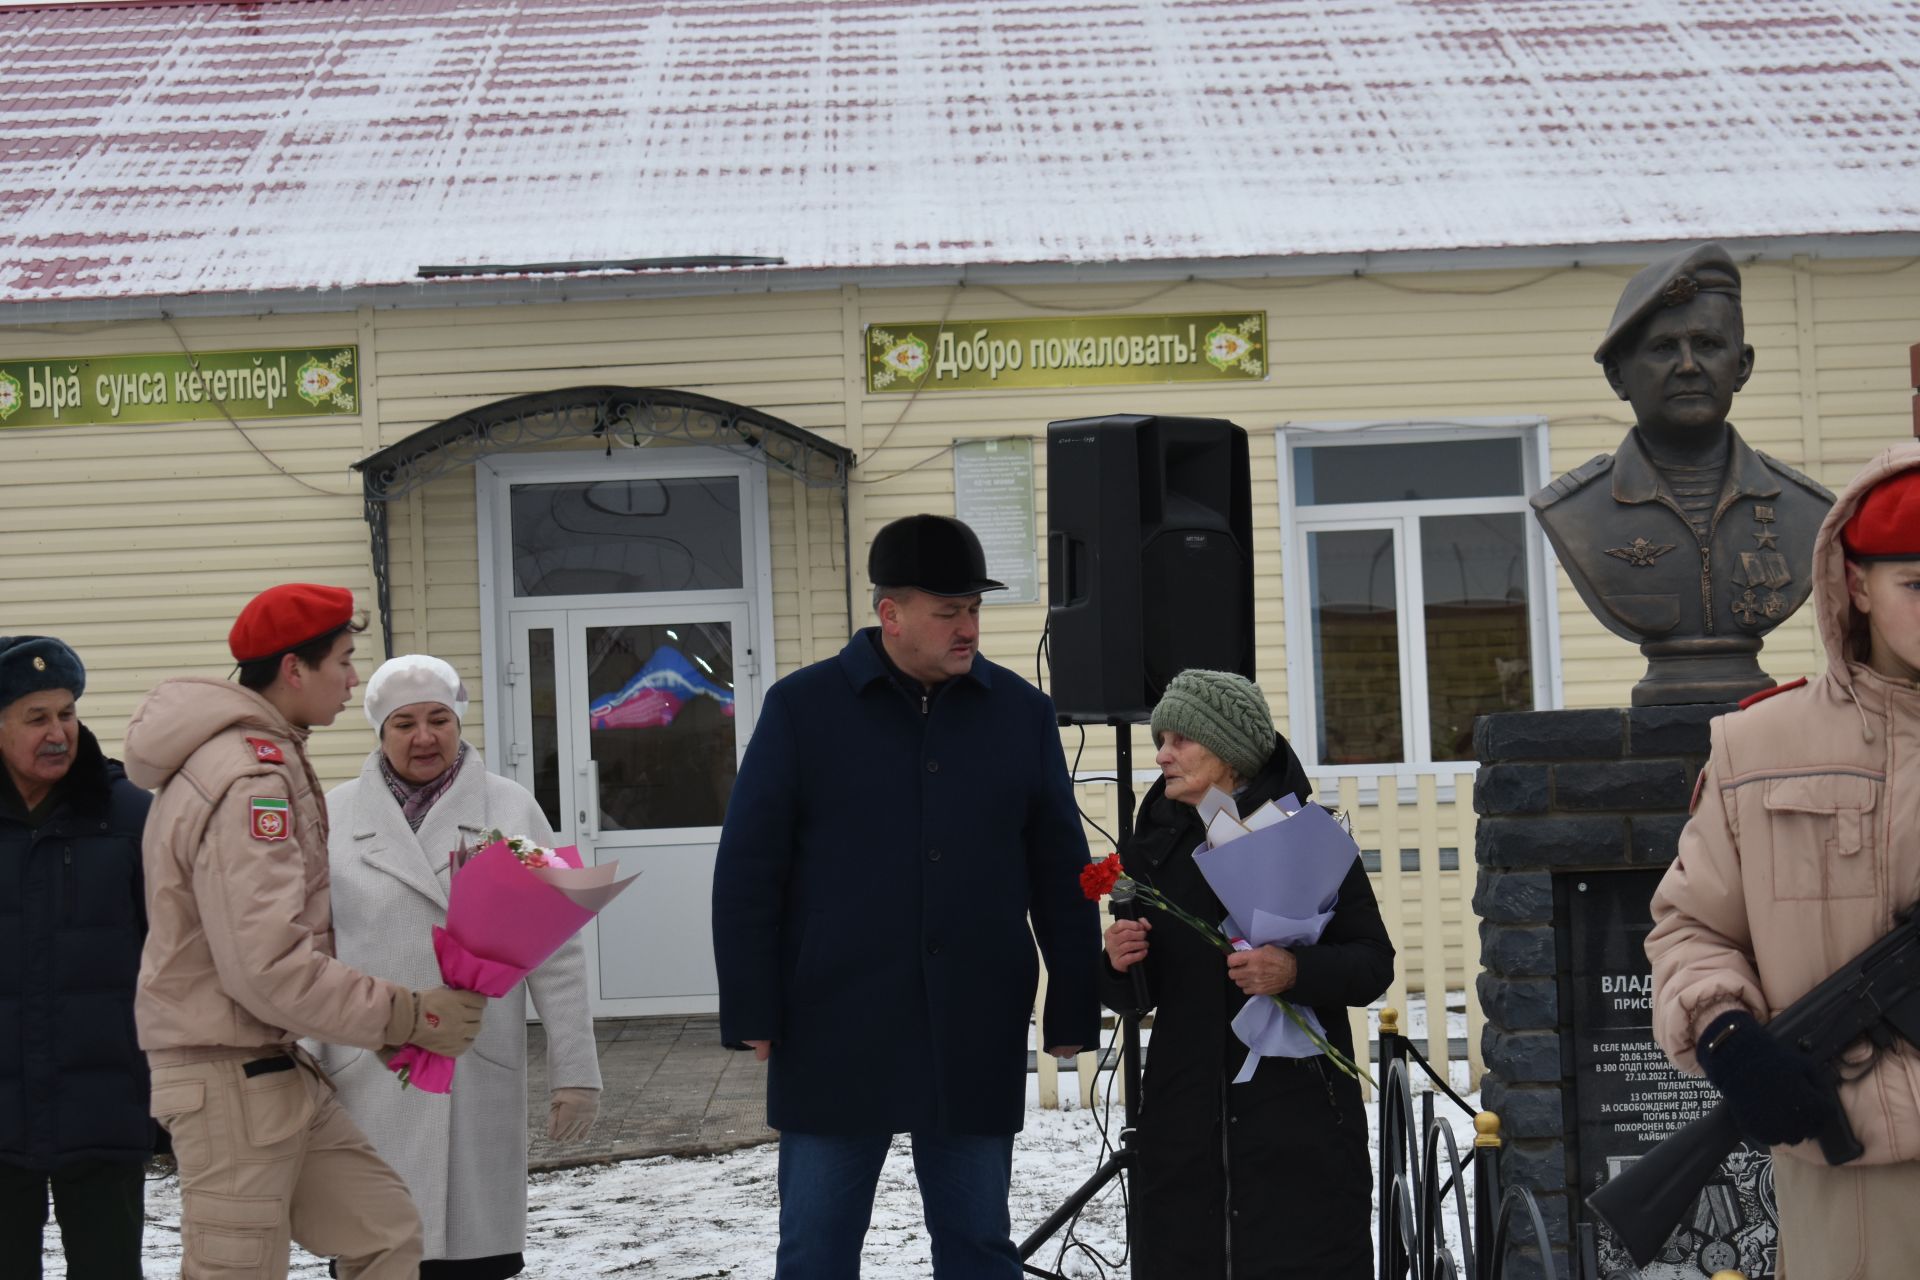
271	819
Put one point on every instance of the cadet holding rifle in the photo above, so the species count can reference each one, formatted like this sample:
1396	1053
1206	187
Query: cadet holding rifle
1803	848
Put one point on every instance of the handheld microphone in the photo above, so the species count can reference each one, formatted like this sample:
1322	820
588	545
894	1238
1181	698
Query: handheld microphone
1124	904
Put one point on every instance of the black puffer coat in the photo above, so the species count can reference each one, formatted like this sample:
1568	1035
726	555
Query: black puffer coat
1272	1175
73	1082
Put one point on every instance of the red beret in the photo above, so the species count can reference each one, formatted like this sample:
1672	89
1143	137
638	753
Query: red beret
1886	524
286	617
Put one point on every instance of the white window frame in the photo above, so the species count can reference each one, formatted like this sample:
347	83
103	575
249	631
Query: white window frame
1296	522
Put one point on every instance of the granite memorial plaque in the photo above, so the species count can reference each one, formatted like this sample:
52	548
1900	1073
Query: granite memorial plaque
1627	1096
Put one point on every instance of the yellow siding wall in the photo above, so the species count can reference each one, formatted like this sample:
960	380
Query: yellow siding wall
139	543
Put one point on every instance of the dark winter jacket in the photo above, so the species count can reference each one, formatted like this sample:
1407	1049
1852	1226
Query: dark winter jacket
1273	1172
879	864
73	1083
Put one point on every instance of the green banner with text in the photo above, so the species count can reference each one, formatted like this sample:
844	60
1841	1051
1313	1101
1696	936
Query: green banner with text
280	382
1087	351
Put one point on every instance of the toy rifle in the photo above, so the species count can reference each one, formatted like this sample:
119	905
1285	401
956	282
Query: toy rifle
1875	995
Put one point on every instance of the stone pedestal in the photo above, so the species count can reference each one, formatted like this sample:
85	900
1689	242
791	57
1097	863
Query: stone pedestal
1564	797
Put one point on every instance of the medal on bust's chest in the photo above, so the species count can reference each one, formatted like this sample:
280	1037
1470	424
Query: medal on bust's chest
1762	572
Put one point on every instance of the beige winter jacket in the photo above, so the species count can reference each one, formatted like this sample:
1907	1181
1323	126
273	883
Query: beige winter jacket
1804	842
239	951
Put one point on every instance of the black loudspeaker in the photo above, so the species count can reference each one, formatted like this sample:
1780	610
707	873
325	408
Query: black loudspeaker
1149	559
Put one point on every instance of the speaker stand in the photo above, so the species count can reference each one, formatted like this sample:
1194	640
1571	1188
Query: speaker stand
1126	1154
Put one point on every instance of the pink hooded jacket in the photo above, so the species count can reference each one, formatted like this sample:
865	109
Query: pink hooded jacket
1800	851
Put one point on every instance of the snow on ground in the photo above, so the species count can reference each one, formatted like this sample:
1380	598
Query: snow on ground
715	1217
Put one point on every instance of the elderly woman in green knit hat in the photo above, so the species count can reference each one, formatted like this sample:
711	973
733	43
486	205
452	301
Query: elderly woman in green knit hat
1270	1176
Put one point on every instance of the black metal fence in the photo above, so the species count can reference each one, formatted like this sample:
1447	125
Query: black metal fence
1417	1188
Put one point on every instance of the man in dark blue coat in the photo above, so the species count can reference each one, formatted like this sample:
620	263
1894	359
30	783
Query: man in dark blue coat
903	809
73	1082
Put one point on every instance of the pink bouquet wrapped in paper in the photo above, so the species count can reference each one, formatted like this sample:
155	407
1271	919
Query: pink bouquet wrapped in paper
510	906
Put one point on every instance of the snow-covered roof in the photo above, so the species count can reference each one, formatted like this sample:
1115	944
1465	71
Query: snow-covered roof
195	148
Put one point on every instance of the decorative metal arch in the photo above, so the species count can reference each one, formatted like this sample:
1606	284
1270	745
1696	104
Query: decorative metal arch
632	414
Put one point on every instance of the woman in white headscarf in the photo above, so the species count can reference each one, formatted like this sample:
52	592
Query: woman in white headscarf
422	793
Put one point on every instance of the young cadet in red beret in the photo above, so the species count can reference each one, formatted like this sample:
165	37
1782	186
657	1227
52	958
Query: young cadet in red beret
239	962
1803	846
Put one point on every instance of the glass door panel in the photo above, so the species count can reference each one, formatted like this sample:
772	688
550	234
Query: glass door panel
659	713
621	536
1354	603
538	752
660	723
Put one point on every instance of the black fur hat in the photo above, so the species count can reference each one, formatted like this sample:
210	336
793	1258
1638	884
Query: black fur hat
33	664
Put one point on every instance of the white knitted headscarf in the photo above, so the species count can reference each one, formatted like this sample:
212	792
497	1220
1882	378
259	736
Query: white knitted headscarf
410	678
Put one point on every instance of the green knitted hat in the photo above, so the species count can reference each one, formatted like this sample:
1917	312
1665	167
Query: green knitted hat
1223	712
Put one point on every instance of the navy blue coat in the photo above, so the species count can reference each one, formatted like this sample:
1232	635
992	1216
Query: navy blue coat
872	893
73	1081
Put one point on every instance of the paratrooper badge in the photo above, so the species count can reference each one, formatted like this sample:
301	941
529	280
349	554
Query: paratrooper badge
1641	553
271	818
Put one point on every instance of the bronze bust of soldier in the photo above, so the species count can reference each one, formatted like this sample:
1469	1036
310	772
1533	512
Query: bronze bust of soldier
1687	540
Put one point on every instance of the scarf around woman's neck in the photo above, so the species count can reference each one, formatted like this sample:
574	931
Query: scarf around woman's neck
416	799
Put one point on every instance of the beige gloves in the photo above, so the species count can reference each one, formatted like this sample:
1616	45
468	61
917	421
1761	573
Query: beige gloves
442	1020
571	1114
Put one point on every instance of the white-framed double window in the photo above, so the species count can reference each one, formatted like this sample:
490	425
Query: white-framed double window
1417	589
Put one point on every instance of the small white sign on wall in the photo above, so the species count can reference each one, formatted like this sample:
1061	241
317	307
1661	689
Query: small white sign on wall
993	495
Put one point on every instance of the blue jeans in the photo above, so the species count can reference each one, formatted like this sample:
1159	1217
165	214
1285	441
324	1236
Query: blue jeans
826	1203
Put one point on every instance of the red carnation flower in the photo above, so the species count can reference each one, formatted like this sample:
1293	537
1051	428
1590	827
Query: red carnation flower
1096	878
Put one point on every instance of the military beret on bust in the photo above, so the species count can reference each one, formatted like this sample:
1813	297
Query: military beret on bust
936	554
34	664
1671	281
285	617
1886	524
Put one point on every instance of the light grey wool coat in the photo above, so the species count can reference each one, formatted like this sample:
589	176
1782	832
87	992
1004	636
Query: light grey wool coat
463	1154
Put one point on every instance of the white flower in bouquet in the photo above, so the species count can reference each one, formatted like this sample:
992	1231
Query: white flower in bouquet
529	853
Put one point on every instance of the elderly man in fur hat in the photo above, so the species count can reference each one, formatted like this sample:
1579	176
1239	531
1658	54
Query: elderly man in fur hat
73	1084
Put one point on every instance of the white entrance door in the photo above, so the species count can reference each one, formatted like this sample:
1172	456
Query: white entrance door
636	727
633	612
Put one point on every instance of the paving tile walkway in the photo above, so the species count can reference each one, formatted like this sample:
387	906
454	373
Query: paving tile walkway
670	1090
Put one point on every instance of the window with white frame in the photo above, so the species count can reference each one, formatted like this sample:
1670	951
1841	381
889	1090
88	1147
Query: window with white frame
1416	596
